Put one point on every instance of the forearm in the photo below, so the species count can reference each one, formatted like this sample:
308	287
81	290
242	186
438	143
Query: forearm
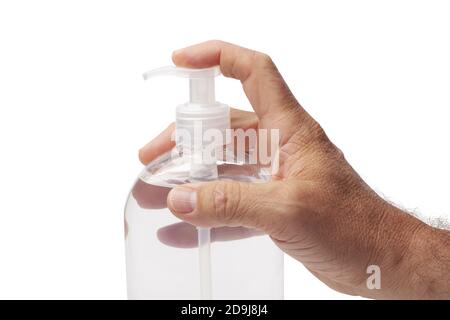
414	258
430	263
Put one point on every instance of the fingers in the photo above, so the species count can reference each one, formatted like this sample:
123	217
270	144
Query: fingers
261	206
178	235
240	119
163	142
159	145
149	196
264	86
184	235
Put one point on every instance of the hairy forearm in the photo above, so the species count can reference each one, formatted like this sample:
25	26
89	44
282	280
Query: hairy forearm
414	258
430	263
422	267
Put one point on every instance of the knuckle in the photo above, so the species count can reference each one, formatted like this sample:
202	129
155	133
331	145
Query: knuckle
262	59
339	154
311	134
227	199
220	201
317	132
215	42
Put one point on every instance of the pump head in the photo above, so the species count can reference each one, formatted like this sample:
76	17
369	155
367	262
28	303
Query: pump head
202	112
201	81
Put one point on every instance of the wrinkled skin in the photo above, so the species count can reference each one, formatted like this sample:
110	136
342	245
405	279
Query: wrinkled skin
317	209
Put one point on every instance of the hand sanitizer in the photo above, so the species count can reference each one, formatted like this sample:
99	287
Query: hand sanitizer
170	259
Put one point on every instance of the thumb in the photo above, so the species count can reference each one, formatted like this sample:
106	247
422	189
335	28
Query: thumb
231	203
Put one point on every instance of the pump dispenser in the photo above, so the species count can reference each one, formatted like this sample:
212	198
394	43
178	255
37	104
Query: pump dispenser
200	114
170	259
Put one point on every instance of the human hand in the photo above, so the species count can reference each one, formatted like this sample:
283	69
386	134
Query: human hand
182	234
316	208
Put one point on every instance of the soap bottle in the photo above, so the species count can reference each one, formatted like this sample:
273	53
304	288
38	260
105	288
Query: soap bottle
167	258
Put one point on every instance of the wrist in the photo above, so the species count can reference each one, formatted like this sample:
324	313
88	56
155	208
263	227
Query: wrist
416	261
429	257
400	245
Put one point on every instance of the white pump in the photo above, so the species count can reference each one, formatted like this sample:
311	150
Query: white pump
201	81
202	112
193	119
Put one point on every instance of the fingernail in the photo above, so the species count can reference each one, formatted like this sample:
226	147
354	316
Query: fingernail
182	200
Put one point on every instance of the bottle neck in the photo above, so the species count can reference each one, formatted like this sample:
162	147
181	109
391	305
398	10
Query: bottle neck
202	161
201	133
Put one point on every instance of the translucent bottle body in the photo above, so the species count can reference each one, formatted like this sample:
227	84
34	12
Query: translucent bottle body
162	254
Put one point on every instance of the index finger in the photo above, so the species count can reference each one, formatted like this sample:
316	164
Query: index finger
263	84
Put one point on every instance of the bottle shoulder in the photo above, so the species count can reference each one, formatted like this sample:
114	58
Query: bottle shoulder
172	168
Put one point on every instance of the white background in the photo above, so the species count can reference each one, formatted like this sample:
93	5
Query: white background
74	111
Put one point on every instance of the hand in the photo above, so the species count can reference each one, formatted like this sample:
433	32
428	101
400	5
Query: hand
316	209
182	234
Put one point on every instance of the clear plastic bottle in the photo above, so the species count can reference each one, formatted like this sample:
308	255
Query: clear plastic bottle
170	259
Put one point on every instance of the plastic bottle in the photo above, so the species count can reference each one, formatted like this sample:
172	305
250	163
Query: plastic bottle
170	259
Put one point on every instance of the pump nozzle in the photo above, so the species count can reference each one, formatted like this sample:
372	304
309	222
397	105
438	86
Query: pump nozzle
201	81
194	119
201	113
183	72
